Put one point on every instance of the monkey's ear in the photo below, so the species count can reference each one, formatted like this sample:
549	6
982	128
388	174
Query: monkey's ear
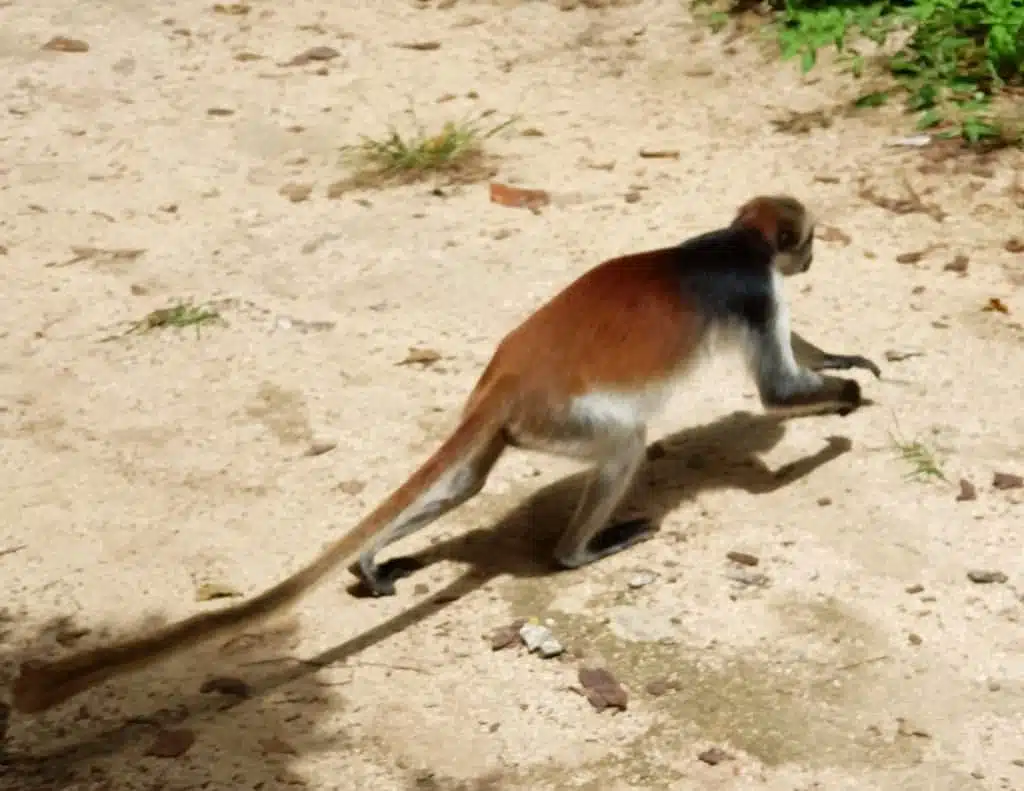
761	215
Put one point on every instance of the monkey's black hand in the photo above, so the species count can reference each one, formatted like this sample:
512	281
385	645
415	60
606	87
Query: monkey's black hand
849	396
844	362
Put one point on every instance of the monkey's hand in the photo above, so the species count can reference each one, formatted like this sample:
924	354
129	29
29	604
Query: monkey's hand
849	395
844	362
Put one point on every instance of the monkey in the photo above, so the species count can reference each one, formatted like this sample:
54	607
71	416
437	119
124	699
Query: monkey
579	378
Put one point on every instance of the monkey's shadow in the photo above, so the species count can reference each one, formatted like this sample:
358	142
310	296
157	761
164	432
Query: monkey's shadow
722	454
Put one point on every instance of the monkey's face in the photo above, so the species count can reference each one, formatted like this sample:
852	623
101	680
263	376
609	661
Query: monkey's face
795	247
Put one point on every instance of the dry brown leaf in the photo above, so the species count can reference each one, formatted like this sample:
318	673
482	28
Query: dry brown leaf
602	689
171	743
910	258
658	153
101	255
420	356
419	46
968	491
232	9
1007	480
313	54
995	304
958	264
246	57
1014	245
208	591
507	635
518	198
65	44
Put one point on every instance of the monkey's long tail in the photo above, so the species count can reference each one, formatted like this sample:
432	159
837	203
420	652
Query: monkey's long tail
42	685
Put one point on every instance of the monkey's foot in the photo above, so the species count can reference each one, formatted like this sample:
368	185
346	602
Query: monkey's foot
844	362
380	580
613	539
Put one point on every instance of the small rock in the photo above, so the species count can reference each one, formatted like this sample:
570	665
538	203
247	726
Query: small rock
917	587
1007	480
550	648
632	197
993	685
986	576
914	639
420	46
748	578
743	558
225	685
910	258
642	579
659	687
534	635
824	501
351	488
713	756
968	491
1014	245
977	774
220	112
295	192
1018	762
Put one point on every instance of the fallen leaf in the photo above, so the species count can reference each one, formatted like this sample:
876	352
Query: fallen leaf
714	756
743	558
208	591
420	46
295	192
65	44
171	743
102	255
232	9
958	265
995	304
225	685
987	577
1007	480
220	112
423	357
246	57
602	689
320	448
276	746
518	198
507	635
658	153
968	491
894	356
319	54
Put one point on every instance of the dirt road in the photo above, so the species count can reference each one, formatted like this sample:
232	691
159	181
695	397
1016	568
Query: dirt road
170	160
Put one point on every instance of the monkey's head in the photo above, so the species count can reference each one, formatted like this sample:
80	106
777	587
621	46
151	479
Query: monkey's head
787	226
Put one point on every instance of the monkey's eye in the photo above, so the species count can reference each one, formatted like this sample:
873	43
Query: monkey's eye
786	239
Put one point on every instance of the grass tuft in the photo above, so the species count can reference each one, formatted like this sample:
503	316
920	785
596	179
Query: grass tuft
923	461
456	151
180	315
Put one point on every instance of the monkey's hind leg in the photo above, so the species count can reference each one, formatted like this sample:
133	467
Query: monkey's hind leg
458	484
591	535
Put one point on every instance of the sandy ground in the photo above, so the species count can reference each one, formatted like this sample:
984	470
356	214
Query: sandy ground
857	654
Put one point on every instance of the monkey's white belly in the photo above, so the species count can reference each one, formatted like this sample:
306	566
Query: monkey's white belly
622	408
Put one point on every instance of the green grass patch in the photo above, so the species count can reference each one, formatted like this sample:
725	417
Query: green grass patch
456	151
959	70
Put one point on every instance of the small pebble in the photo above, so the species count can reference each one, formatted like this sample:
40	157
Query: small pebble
714	756
642	579
915	639
994	686
550	648
534	635
915	588
824	501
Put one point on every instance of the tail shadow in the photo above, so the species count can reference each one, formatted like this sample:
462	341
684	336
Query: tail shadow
722	454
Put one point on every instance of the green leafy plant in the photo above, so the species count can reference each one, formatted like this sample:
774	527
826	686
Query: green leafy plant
959	56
